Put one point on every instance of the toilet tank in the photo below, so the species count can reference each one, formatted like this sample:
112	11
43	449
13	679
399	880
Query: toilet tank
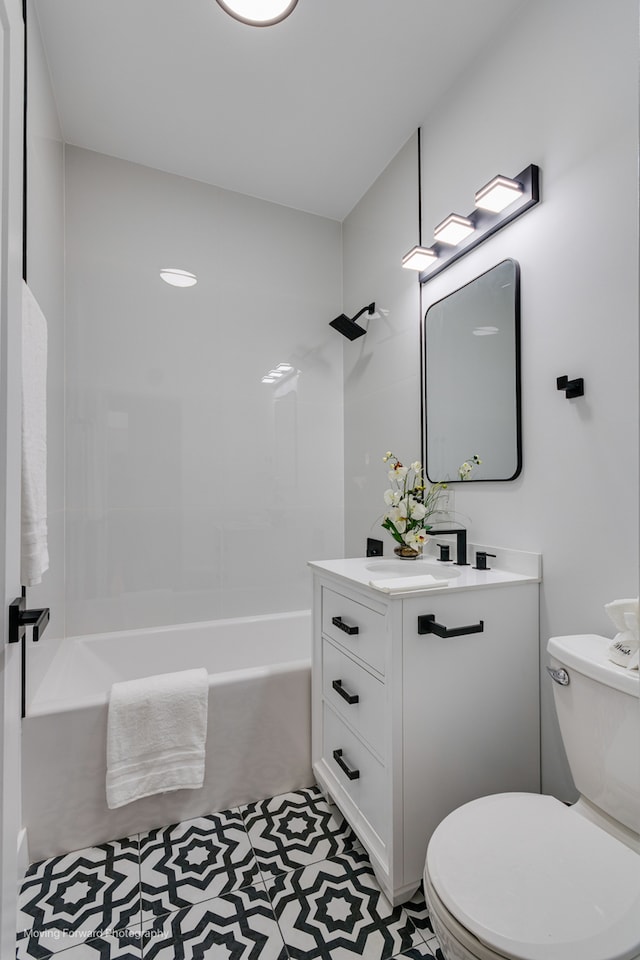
599	716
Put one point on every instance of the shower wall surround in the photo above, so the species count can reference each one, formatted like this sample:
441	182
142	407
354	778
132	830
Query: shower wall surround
194	490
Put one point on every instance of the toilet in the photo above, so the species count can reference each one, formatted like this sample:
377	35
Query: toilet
525	877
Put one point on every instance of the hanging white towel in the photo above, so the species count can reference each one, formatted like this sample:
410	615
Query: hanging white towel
34	549
156	735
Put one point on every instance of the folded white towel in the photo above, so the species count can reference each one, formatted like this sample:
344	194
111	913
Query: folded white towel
156	735
625	615
400	584
34	550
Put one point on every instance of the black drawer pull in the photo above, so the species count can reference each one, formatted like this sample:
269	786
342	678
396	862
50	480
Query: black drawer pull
352	774
349	697
345	627
427	624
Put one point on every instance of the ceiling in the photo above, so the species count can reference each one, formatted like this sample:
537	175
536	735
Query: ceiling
306	113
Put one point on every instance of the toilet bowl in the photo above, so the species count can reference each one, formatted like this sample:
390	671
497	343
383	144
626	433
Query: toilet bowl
525	877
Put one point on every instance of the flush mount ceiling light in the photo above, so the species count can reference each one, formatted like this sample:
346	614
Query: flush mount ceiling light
178	278
498	194
500	201
453	230
258	13
419	258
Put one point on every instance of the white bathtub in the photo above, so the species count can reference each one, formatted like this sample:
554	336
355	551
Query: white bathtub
258	735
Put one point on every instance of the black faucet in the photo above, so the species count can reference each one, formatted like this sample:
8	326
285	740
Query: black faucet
461	542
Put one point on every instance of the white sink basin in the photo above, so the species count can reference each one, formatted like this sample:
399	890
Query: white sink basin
412	568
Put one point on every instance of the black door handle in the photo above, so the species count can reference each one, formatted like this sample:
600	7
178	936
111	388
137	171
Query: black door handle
352	774
428	624
349	697
345	627
20	619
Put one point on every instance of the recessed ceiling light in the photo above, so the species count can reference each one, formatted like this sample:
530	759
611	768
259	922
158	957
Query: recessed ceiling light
453	229
258	13
498	194
419	258
178	278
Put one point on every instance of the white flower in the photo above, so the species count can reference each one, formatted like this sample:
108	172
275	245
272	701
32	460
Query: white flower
398	517
416	466
392	497
398	472
416	538
417	509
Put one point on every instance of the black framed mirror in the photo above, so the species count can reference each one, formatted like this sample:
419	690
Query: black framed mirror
471	378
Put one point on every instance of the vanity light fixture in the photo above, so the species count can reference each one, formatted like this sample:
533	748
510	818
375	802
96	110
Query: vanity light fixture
500	201
453	230
419	258
178	278
258	13
498	194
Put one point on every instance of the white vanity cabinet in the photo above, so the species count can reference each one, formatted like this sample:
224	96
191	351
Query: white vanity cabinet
408	725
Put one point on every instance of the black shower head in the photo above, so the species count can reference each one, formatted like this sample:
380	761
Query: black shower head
349	328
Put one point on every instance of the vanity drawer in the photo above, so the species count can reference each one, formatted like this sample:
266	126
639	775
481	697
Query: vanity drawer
356	769
355	694
356	627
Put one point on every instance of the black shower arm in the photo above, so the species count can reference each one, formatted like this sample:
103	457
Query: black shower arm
370	308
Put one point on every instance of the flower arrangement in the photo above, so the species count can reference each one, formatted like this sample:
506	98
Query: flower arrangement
412	503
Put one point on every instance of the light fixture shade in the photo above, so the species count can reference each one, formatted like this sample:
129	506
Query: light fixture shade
496	195
419	258
453	229
258	13
178	278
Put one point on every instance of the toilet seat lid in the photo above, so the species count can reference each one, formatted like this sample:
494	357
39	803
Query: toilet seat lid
535	881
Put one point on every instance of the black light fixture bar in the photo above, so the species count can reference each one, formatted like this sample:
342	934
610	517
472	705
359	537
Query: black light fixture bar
486	224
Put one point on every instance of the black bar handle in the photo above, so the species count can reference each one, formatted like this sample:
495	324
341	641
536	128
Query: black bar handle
352	774
345	627
349	697
20	619
428	624
38	619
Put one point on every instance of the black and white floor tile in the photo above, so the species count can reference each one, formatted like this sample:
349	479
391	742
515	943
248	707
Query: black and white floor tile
70	898
280	879
335	907
295	829
194	861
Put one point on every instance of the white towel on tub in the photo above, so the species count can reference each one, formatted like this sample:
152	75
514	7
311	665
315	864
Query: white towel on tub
156	733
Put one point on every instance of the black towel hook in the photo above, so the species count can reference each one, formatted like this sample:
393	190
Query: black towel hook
572	388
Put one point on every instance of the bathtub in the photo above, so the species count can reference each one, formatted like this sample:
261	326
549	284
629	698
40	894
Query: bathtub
258	733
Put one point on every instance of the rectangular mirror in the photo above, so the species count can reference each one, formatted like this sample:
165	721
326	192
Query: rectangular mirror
471	389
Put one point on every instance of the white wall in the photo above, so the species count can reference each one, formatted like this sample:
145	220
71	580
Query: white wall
194	491
541	94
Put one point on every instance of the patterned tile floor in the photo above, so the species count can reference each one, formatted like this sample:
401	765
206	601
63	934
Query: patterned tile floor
277	879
